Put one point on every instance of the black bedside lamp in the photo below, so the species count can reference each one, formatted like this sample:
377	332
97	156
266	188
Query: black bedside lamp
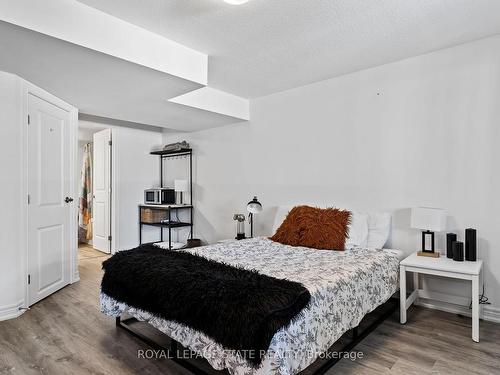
254	207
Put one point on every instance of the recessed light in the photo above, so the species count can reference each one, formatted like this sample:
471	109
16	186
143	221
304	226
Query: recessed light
236	2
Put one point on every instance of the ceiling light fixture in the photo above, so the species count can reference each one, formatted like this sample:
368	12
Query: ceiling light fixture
236	2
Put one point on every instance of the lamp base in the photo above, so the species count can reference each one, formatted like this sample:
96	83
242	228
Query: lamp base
427	241
250	219
430	254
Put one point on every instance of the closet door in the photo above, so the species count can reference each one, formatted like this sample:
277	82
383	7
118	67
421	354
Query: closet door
101	182
49	201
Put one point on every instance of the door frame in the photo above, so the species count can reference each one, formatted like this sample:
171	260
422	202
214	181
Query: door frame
115	191
25	89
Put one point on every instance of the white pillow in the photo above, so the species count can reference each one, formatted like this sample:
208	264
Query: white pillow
281	214
379	227
358	230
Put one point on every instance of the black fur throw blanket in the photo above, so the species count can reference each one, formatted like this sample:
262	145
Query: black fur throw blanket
237	308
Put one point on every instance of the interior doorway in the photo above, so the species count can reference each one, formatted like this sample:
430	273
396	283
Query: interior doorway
94	201
49	213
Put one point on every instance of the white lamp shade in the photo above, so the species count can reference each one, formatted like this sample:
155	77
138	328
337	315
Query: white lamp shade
254	206
180	185
427	218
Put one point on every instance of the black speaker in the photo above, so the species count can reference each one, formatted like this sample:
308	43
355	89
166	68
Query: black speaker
470	245
458	251
450	238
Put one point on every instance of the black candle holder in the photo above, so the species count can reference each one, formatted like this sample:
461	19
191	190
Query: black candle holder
450	238
470	245
458	251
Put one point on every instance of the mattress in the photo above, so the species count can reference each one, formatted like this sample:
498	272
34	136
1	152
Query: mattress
344	287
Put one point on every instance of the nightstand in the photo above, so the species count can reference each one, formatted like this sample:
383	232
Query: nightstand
444	267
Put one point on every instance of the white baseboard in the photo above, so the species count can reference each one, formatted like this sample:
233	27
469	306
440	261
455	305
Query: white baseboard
486	312
11	311
491	314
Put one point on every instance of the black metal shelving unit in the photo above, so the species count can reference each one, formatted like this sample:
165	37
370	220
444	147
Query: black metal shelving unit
165	155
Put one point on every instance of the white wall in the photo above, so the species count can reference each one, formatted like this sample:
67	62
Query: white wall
419	132
134	170
11	195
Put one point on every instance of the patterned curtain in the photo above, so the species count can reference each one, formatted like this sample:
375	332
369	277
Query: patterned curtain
85	201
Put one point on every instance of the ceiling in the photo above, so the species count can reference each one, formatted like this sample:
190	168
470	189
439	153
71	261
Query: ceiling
102	85
266	46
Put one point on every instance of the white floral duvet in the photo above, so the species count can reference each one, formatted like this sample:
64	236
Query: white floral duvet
344	287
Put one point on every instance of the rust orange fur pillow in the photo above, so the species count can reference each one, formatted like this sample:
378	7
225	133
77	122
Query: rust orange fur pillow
317	228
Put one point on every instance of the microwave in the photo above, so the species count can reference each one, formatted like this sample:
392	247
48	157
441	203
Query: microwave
159	196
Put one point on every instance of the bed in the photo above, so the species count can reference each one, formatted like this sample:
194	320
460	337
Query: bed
344	287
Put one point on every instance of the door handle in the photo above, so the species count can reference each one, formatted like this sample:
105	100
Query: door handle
68	199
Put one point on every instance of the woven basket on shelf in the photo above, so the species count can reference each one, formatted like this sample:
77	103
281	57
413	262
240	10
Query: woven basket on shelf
149	215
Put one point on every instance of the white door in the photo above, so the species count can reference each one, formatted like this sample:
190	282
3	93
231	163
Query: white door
49	201
101	218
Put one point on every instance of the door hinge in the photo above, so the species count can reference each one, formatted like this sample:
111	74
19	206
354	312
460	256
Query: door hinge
109	238
29	199
29	119
110	143
29	279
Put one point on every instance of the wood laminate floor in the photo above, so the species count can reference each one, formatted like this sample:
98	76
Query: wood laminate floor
87	251
66	334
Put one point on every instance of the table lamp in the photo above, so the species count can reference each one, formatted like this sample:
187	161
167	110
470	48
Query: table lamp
254	207
180	186
429	220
